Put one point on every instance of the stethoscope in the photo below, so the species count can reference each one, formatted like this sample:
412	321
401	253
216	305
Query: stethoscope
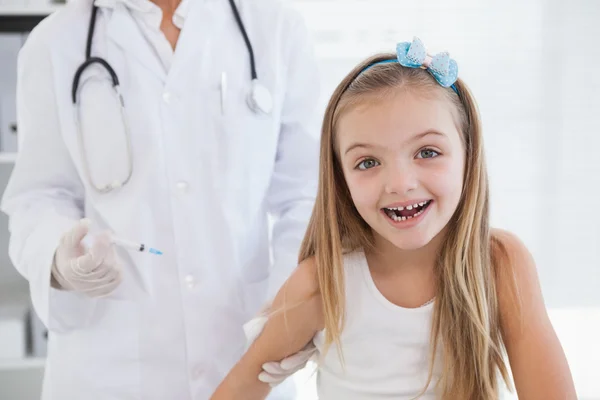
259	99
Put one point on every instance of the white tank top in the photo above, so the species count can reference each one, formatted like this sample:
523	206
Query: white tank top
385	347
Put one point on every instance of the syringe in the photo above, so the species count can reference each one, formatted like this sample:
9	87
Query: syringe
141	247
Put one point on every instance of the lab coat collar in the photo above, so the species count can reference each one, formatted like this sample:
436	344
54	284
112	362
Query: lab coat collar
148	7
137	5
207	16
124	32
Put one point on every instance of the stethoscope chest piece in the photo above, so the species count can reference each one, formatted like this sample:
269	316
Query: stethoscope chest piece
259	98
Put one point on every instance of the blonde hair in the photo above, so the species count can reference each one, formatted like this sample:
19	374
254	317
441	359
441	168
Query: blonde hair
466	318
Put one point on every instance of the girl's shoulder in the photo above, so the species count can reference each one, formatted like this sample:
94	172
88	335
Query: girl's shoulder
304	279
517	282
512	263
302	287
508	251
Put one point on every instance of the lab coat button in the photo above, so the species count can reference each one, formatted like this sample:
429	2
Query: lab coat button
197	372
190	281
182	186
167	97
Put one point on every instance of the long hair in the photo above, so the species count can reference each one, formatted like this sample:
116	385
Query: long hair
466	322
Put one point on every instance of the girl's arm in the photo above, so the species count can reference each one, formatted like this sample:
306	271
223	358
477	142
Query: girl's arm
538	363
295	318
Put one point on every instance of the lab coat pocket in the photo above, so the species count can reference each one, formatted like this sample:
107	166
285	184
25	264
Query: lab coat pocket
115	326
69	311
109	348
249	139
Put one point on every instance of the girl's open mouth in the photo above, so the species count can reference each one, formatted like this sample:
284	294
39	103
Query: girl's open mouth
399	214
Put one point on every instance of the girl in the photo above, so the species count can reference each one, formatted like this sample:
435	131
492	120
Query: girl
399	269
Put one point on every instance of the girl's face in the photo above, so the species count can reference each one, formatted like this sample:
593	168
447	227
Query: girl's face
403	160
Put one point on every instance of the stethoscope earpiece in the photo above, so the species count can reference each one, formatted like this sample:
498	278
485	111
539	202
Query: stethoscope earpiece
259	98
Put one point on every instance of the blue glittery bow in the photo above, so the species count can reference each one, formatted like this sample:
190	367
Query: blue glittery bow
441	66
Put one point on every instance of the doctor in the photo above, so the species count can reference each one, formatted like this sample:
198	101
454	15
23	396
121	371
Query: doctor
215	130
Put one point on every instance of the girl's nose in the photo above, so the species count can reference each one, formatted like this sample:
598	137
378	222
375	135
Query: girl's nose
401	180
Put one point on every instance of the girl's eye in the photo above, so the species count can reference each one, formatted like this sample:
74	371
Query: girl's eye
427	153
367	164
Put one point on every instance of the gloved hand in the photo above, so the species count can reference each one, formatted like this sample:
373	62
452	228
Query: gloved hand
94	271
275	372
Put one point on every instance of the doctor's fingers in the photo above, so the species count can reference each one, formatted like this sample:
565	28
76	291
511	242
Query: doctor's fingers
273	373
272	380
100	254
89	272
102	250
288	365
106	287
73	237
273	369
299	360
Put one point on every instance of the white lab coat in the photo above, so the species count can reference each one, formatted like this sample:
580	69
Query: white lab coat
204	180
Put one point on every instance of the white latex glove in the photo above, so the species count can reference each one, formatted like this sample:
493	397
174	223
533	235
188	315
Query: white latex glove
94	271
275	372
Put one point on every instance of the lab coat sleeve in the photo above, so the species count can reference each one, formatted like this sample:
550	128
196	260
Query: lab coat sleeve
293	186
44	195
